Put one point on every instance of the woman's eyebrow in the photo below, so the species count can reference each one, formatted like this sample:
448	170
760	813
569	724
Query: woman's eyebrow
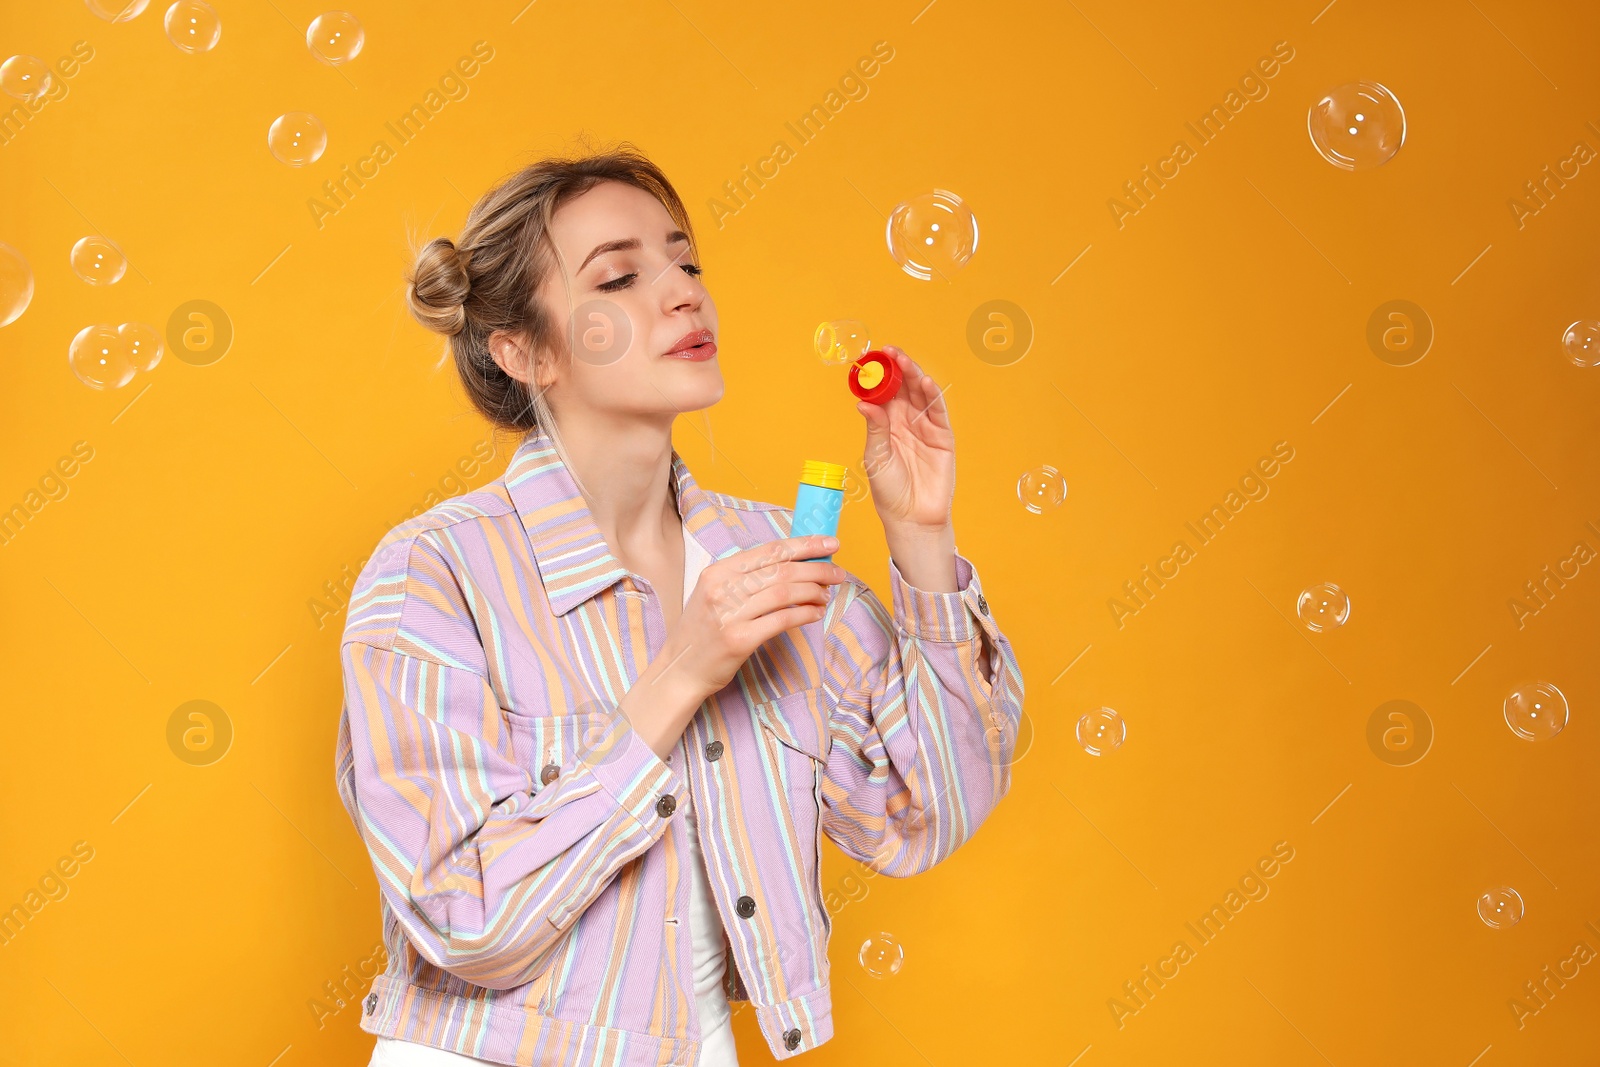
627	244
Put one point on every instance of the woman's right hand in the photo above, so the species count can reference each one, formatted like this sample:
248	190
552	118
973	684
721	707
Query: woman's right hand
745	600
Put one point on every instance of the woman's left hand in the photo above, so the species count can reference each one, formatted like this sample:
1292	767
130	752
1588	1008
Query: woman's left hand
910	457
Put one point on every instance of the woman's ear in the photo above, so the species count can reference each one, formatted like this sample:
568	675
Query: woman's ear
510	352
515	355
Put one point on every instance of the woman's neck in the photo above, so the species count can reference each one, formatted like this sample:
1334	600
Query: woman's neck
625	469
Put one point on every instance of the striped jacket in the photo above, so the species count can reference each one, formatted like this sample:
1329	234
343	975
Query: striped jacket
530	872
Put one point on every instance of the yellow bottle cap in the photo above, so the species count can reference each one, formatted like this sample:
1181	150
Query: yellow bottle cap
820	472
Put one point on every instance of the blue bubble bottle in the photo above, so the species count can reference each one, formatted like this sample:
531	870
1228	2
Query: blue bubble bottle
818	501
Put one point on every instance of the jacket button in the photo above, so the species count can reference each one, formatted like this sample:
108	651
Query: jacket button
714	750
666	805
791	1040
746	907
372	1003
549	774
983	605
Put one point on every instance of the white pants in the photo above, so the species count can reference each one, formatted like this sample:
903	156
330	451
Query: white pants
391	1052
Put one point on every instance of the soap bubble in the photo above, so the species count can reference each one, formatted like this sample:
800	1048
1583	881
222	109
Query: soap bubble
97	357
16	285
25	77
141	345
935	233
297	138
97	261
1501	907
1536	711
117	10
193	25
1357	126
881	955
1581	342
842	341
1042	489
999	732
1101	731
1323	607
335	37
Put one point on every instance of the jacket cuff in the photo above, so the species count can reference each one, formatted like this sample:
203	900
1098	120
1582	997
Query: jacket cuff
629	769
949	617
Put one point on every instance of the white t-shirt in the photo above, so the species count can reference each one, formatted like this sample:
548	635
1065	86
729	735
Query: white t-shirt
716	1018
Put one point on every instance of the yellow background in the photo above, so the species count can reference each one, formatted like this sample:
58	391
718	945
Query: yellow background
1222	318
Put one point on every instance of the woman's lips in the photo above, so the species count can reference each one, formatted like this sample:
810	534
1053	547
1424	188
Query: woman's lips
696	354
696	345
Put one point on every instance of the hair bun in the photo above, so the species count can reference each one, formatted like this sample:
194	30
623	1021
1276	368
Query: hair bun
438	287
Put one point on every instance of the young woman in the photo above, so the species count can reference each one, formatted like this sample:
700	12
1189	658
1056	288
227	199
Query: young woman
596	717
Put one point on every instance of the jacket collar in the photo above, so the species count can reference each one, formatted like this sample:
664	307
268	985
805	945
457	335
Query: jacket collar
573	558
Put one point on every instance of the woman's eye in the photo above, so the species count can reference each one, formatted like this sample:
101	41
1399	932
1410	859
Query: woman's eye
693	270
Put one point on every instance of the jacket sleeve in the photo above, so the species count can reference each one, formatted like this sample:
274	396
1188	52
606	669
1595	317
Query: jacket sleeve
483	868
927	705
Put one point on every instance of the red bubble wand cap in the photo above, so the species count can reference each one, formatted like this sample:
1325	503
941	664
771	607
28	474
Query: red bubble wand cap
875	377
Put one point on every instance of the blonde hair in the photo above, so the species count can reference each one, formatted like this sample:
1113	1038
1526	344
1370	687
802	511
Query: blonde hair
488	279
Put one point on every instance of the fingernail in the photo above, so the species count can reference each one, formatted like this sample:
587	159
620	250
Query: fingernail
830	542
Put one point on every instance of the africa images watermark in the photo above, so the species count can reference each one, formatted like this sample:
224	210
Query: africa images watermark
18	118
1137	993
1541	590
53	486
1252	485
851	889
452	86
348	988
53	886
1542	189
853	86
1142	190
1537	993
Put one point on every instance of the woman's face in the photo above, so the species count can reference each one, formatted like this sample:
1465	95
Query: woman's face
626	293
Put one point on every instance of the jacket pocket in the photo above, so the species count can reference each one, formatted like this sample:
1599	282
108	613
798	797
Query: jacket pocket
548	746
798	722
